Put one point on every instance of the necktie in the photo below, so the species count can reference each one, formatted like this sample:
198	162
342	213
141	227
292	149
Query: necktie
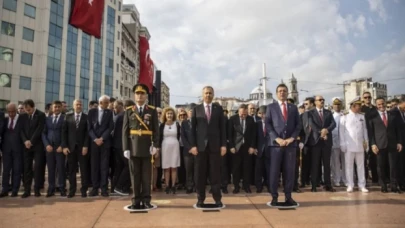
403	116
140	110
77	121
55	119
11	127
321	115
208	113
243	125
384	118
264	129
284	111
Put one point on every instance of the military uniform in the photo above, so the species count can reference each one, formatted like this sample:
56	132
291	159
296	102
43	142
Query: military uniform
338	158
353	142
140	131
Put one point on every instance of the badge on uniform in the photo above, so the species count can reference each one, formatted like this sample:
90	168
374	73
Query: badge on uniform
146	118
133	116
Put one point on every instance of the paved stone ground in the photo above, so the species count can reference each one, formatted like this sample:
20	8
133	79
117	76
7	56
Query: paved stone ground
320	209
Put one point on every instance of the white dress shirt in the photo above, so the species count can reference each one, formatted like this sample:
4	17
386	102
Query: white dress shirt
100	114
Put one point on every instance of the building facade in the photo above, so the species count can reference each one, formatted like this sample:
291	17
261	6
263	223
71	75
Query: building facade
357	87
165	95
45	59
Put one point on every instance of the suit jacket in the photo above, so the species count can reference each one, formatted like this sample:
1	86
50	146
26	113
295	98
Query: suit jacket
305	132
103	129
316	125
32	129
161	132
261	138
117	134
186	136
11	138
401	118
236	134
72	136
256	118
205	133
139	145
52	134
382	136
2	118
278	128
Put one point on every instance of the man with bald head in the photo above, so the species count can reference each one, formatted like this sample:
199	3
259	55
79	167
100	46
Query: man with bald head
12	147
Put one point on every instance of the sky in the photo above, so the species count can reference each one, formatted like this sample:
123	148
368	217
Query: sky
224	43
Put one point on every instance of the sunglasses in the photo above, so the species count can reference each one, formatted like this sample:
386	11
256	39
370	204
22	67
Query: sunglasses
160	113
367	97
321	100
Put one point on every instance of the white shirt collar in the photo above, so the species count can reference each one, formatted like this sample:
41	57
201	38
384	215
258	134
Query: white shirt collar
100	109
56	115
281	103
205	105
319	109
381	113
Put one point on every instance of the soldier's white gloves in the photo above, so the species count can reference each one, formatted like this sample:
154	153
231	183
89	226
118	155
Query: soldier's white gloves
343	149
126	154
301	145
153	150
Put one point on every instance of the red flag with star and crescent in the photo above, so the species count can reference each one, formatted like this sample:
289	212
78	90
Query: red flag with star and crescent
145	75
87	15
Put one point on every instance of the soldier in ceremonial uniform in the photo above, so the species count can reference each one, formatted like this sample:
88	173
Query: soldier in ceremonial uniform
353	142
338	158
140	141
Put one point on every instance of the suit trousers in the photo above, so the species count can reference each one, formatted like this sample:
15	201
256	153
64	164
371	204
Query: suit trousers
297	167
56	161
372	166
73	158
338	166
306	165
387	158
141	177
242	167
282	159
100	158
37	172
350	159
121	179
320	152
111	164
205	161
189	166
260	172
181	171
12	165
401	168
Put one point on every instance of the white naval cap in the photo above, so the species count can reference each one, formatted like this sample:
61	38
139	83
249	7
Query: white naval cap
337	101
356	100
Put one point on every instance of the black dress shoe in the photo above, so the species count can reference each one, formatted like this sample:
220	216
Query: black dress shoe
3	194
14	194
314	189
63	193
200	203
247	190
297	190
259	190
174	190
384	189
330	189
26	195
189	191
167	190
235	191
147	205
37	194
395	190
84	194
135	206
290	202
93	193
104	194
219	204
274	202
302	186
49	194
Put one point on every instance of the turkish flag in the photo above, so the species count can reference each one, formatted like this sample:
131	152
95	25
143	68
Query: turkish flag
145	77
87	15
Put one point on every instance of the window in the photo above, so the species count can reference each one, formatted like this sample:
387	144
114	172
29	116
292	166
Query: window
28	34
6	54
29	11
119	6
25	83
7	28
118	51
10	5
118	35
118	67
26	58
119	19
5	80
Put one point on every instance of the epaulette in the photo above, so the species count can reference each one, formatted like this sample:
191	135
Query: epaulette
345	113
152	107
130	107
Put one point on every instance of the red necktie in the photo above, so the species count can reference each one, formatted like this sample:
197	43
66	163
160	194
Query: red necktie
384	118
11	124
284	112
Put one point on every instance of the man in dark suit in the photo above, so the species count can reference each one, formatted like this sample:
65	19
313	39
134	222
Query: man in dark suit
283	125
188	157
242	144
208	144
100	125
262	157
121	180
399	110
386	143
12	148
75	143
33	122
305	133
55	159
321	123
2	117
140	141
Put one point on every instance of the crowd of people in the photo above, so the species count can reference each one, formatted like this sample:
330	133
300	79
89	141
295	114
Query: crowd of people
328	145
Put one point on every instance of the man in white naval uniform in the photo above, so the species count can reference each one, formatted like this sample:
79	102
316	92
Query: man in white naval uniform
353	142
338	157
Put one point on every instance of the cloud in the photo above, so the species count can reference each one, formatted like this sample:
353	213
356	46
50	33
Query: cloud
224	44
377	6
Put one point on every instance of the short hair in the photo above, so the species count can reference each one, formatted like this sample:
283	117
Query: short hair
119	102
380	98
48	106
396	100
366	92
103	98
310	99
112	99
128	103
93	102
282	85
77	100
63	102
208	87
262	109
166	110
11	104
243	106
57	103
29	102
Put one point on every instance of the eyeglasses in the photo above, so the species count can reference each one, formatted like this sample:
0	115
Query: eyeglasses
368	97
159	113
321	100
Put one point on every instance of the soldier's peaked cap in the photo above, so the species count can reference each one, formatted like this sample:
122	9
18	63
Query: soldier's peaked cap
140	88
337	101
356	100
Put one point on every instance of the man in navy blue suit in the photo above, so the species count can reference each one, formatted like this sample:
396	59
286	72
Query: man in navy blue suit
52	139
283	125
